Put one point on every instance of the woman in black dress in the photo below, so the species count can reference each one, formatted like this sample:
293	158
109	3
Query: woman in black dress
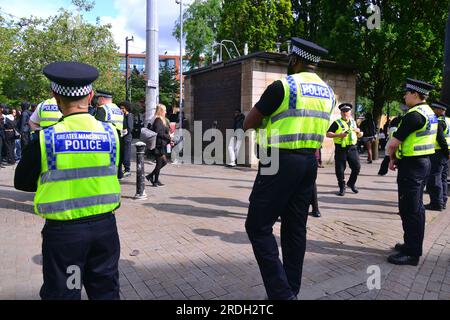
161	127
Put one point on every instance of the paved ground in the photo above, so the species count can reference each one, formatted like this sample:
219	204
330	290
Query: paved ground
192	242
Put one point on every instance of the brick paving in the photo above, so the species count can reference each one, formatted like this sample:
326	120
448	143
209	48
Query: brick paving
192	243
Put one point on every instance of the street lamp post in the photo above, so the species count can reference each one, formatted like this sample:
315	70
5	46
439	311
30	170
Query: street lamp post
180	2
127	68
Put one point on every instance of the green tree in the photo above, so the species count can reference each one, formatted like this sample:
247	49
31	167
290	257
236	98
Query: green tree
8	40
169	87
200	23
62	37
137	86
409	44
260	24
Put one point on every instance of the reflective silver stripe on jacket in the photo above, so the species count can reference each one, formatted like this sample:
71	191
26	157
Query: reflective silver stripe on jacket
426	133
79	173
301	113
424	147
49	119
296	137
61	206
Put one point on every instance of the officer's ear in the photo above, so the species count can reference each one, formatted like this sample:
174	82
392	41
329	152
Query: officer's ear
57	98
91	96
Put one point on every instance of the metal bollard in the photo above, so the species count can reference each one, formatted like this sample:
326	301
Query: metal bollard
140	178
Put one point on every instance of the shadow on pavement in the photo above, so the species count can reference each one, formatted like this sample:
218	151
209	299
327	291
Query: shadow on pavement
356	201
205	178
17	200
313	246
225	202
394	212
189	210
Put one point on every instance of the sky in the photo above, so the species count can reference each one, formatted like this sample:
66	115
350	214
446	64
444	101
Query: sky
127	17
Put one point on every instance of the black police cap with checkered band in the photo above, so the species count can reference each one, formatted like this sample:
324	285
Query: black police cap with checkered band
345	107
103	93
440	105
70	78
419	86
307	50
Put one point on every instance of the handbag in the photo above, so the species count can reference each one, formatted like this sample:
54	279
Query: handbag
148	137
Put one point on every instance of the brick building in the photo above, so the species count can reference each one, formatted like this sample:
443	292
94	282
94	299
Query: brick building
214	92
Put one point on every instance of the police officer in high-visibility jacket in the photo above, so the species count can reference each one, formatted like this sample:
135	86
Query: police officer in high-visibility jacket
295	113
410	149
46	114
345	134
109	112
72	168
437	182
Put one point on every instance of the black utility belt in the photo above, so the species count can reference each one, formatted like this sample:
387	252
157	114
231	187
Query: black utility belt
297	151
338	146
95	218
416	157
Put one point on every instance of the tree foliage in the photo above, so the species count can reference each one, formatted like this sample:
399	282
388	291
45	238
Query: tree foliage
169	87
260	24
200	22
62	37
410	42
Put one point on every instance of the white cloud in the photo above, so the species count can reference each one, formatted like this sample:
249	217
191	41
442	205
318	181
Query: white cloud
131	21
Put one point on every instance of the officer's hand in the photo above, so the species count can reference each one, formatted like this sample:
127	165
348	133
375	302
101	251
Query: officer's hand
342	134
393	165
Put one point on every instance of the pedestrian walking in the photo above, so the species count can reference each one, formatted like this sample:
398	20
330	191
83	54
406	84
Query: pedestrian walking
236	140
127	139
161	127
369	130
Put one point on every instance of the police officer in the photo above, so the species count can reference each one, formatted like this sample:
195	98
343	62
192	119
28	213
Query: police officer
437	182
46	114
409	150
296	112
345	134
109	112
72	168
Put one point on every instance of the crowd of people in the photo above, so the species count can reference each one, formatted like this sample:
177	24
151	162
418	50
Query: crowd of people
15	131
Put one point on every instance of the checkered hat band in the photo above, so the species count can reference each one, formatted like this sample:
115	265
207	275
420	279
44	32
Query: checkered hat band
416	88
71	91
305	55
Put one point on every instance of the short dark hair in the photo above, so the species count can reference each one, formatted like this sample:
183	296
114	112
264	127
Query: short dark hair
126	105
70	99
421	95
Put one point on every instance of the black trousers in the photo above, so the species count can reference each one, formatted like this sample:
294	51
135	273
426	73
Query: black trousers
314	201
127	154
444	182
341	157
412	175
24	140
10	146
161	161
286	194
119	169
91	247
435	184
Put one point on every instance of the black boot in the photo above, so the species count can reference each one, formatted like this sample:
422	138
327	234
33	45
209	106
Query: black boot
353	187
341	189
